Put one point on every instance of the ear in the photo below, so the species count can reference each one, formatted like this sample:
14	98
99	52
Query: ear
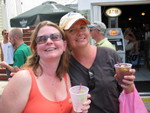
15	37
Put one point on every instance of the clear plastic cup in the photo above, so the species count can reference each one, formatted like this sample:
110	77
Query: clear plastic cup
122	69
78	96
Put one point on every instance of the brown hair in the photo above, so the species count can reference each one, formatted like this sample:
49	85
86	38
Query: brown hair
3	31
33	60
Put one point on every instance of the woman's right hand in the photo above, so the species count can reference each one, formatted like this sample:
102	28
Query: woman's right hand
86	104
129	82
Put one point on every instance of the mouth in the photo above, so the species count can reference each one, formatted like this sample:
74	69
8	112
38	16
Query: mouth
80	39
50	49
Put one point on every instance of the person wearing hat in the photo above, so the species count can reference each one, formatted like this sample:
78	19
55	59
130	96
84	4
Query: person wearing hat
97	30
93	66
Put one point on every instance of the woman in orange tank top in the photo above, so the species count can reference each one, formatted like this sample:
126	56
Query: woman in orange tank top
42	84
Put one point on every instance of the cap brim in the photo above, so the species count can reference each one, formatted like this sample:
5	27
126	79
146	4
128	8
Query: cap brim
74	21
90	26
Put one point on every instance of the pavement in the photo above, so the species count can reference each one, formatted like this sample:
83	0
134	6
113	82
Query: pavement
147	104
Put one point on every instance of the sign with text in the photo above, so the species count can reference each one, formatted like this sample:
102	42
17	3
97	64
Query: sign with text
113	12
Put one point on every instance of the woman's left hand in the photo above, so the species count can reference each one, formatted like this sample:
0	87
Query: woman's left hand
128	81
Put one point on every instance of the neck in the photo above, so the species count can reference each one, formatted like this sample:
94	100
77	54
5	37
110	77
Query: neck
5	40
85	56
101	37
18	44
51	67
80	51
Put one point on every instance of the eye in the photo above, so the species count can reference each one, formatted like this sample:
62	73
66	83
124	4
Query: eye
83	27
71	30
42	39
55	37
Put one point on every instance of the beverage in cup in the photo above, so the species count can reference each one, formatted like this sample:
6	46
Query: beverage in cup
122	69
78	96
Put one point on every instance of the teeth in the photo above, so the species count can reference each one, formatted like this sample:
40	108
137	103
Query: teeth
50	49
81	39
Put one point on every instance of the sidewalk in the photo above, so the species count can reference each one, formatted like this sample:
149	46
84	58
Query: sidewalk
2	85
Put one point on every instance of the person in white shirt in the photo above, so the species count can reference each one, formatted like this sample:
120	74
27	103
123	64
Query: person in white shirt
7	51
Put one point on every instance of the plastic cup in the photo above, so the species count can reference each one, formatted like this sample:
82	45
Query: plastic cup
78	96
122	69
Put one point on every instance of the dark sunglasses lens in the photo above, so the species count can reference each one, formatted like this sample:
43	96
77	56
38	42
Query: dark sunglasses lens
91	82
5	33
56	37
41	39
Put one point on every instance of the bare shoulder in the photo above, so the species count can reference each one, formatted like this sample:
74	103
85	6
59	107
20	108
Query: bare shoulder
16	93
22	72
22	76
21	80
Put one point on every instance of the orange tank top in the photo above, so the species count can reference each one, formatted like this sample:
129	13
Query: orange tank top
39	104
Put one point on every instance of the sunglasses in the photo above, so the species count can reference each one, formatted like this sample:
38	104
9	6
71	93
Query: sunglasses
5	33
91	82
92	30
43	39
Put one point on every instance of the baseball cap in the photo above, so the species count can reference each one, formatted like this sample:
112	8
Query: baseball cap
70	18
98	25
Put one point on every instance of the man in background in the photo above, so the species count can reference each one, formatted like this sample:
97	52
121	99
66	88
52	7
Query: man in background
22	51
7	51
97	30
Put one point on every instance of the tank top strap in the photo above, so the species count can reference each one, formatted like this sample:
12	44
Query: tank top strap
65	78
31	73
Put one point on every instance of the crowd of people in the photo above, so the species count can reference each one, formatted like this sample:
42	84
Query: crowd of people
61	57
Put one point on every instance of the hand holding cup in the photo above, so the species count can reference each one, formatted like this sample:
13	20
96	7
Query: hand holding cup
78	97
122	69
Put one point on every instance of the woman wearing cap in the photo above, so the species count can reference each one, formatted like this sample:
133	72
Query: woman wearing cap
93	66
42	87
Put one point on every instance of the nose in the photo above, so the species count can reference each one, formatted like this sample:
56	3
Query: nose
79	31
49	40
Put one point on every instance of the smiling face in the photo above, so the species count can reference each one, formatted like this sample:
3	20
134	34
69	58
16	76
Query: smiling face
78	35
51	49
